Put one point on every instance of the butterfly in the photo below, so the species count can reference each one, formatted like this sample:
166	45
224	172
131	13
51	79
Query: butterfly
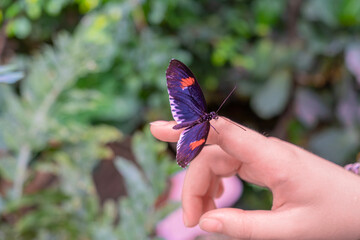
189	110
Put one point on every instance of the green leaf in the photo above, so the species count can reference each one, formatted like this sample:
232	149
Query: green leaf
13	10
138	187
14	121
322	10
7	167
147	157
267	13
348	13
335	144
33	10
19	27
135	215
271	99
8	74
143	187
158	10
53	7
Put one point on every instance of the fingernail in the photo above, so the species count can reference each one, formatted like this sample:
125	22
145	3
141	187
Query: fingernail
159	123
186	223
210	225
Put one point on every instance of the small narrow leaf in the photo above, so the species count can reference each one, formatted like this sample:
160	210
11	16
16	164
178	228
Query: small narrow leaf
271	99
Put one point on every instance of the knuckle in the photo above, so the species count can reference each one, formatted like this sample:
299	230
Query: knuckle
282	158
247	228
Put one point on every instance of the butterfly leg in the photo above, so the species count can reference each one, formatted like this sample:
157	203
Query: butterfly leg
214	128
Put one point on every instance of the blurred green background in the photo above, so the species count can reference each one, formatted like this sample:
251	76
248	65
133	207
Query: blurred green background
81	80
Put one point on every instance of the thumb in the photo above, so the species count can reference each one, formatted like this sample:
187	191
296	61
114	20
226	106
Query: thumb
257	224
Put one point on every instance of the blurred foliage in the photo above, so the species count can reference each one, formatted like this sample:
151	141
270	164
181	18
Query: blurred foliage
8	74
70	210
255	198
46	128
94	70
138	211
26	17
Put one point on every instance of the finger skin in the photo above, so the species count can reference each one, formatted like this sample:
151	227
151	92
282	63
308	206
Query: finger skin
258	224
201	184
163	130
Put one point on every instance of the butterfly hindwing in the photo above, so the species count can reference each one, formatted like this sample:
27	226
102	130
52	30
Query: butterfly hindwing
187	101
191	142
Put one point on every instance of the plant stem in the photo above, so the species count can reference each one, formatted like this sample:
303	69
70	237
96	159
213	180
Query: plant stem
22	162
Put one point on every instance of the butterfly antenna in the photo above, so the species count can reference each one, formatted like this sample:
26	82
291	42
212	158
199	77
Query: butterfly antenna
236	124
226	99
232	91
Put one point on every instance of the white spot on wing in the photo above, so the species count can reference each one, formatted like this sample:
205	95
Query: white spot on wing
181	139
175	110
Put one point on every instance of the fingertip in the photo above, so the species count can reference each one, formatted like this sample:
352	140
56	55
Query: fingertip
189	221
185	220
255	224
192	210
211	225
163	130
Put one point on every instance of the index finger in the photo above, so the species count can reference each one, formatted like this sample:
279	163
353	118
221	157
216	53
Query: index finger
265	161
230	137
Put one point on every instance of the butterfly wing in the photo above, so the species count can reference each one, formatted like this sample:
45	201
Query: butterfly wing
191	142
187	101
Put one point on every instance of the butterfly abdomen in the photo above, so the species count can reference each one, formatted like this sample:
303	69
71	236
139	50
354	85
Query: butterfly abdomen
204	118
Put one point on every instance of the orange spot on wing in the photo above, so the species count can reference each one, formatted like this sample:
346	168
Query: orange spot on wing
185	82
195	144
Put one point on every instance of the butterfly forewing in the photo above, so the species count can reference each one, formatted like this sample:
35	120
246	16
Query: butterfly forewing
191	142
187	101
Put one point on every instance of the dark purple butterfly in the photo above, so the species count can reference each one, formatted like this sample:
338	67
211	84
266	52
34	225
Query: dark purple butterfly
189	110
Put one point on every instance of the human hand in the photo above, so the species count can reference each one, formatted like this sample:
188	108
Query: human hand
312	197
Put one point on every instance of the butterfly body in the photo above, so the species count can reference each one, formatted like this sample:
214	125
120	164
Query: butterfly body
189	110
204	118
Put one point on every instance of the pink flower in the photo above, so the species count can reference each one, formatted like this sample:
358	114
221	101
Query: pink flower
172	227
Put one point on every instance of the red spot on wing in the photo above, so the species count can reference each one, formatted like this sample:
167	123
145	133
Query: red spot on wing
195	144
185	82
